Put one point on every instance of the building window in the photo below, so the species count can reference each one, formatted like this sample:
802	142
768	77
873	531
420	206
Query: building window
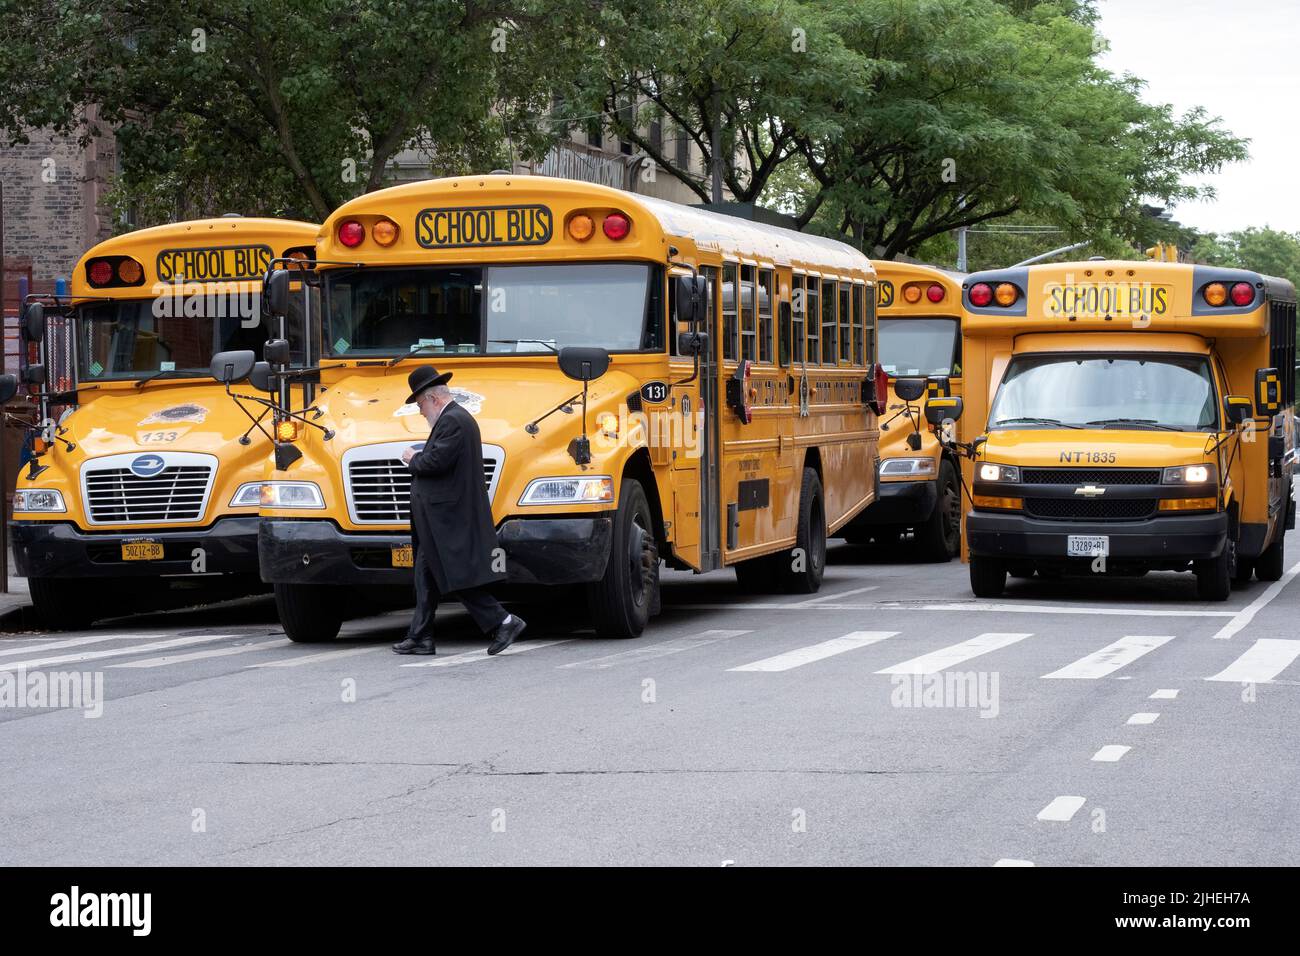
828	322
683	146
657	135
594	135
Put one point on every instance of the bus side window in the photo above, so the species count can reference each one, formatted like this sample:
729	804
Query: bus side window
730	299
811	299
747	303
765	316
797	304
858	352
846	323
828	322
710	274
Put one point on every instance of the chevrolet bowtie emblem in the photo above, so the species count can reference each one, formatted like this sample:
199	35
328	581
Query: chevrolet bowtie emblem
1092	491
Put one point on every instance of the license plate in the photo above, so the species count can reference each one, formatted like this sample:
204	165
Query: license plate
1087	545
402	556
142	550
1095	300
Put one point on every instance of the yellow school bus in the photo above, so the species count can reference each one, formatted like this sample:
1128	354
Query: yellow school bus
652	383
149	479
919	310
1137	416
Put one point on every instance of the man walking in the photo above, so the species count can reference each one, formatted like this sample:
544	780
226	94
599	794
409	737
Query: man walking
452	535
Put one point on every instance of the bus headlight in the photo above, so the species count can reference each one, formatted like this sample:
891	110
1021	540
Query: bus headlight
38	499
1190	474
906	467
291	494
992	472
248	495
579	491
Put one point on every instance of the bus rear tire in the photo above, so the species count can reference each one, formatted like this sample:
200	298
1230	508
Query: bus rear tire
1269	565
800	570
66	604
758	575
939	539
309	613
622	600
988	578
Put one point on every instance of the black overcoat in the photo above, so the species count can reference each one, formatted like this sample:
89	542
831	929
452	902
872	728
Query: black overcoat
451	517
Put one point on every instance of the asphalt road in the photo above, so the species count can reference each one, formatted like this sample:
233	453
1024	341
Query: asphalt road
890	719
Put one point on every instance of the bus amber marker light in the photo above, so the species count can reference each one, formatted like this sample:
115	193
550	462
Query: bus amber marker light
1216	293
131	272
616	226
384	232
581	228
1006	294
351	233
912	294
981	294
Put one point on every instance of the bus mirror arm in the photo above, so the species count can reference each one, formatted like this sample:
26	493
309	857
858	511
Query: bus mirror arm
532	428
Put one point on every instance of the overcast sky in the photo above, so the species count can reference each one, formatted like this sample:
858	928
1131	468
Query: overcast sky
1240	59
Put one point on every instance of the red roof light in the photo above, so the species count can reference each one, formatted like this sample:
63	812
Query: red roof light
616	226
100	272
351	233
935	292
981	294
1243	293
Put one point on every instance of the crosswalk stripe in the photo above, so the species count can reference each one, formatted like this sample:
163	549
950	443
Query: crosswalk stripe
316	658
203	655
816	652
469	657
1143	718
833	597
1061	810
1111	657
116	652
651	651
69	642
1267	658
1110	753
947	657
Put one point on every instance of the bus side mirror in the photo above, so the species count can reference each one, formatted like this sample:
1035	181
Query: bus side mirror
231	367
276	351
940	410
692	343
1237	409
583	364
1268	392
34	374
909	389
260	377
8	387
691	296
33	324
275	292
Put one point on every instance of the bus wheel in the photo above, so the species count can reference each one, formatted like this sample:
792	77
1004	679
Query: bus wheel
309	613
988	578
939	538
621	601
66	604
1214	577
800	570
1269	565
1245	571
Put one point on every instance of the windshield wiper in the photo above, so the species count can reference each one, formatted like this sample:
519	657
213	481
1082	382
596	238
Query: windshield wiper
1030	420
415	351
165	373
1146	422
517	341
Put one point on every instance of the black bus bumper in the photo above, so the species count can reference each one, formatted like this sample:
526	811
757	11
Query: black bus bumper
536	551
47	549
1166	542
905	503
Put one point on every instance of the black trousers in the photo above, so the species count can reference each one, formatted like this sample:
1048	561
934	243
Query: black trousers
486	610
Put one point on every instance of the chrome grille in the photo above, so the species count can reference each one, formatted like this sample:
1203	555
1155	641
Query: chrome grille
379	484
177	493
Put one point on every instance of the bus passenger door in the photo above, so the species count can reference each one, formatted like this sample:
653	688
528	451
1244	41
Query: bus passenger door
710	472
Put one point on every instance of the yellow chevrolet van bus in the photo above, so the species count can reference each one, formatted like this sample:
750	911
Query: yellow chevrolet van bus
919	312
149	479
1138	416
652	383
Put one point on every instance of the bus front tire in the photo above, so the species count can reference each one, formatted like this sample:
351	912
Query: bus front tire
622	600
939	538
987	578
1214	577
1269	565
309	613
66	604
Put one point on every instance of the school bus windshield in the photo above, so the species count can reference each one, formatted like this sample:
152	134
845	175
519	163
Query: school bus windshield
125	340
918	346
494	309
1145	392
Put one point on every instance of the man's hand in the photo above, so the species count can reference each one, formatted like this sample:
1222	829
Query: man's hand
407	455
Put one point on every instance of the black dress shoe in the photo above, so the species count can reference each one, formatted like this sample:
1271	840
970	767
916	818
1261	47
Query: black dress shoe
412	646
505	633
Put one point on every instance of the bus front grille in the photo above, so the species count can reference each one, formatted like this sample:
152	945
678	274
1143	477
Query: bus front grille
1090	476
1092	509
379	489
176	493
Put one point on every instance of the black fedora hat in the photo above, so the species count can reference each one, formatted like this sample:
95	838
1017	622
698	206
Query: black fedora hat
424	378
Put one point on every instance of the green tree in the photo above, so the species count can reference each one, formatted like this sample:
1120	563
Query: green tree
1268	251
